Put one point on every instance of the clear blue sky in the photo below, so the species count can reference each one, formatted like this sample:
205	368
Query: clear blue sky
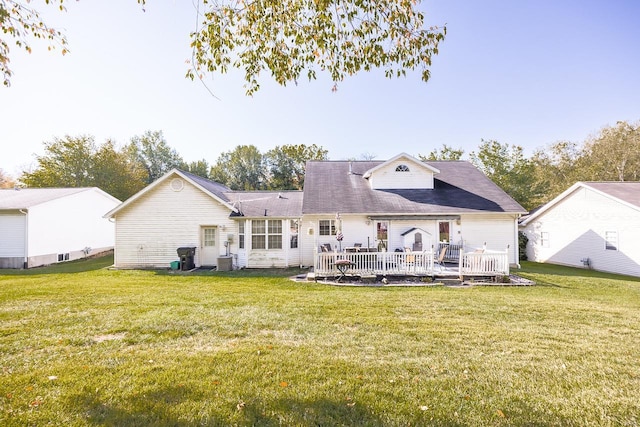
521	72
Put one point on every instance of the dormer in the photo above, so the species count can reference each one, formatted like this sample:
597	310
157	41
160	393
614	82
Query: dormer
401	172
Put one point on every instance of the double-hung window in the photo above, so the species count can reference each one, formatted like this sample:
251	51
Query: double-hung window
241	234
327	227
611	240
266	234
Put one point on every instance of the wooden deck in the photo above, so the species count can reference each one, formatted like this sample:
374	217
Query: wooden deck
479	263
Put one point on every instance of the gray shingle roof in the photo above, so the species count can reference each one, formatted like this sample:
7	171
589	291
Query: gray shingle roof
626	191
459	188
267	203
213	187
25	198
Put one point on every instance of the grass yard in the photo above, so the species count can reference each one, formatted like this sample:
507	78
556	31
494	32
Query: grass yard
84	345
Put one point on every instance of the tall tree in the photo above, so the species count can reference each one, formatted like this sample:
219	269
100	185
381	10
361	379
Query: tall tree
154	154
507	166
286	164
291	39
79	162
67	162
444	153
199	167
241	169
5	180
613	154
114	172
555	169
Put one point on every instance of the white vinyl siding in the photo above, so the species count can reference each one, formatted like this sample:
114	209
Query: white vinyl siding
149	231
544	239
579	224
68	225
497	231
402	174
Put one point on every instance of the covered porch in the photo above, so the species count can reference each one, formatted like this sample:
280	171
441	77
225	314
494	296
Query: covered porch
446	262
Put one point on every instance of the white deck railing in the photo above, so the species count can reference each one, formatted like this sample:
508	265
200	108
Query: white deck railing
484	263
376	263
477	263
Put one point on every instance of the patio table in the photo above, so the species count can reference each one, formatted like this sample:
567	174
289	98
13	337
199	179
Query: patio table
343	265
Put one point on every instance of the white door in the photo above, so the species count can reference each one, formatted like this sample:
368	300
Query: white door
208	247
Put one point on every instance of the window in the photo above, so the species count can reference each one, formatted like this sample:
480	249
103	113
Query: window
382	234
611	240
327	227
402	168
63	257
266	234
241	234
274	234
544	239
294	226
444	233
209	237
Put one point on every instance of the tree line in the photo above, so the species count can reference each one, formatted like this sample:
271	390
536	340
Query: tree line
78	161
612	154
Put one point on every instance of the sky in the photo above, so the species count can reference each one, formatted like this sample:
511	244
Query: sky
527	73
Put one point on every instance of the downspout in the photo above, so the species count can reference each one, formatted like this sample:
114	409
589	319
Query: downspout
25	262
300	251
113	221
516	244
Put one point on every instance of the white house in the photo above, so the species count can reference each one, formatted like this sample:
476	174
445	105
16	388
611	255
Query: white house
184	210
40	226
591	224
378	205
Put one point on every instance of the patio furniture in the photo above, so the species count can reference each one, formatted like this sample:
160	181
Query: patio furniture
343	265
440	260
326	247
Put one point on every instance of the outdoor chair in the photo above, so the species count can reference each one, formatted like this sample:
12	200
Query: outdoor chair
440	260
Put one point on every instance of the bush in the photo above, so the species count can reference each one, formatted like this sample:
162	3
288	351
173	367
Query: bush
522	245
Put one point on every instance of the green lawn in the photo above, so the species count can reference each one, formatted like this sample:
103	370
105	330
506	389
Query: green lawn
84	345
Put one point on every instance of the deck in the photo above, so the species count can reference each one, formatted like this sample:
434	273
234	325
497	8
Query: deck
477	263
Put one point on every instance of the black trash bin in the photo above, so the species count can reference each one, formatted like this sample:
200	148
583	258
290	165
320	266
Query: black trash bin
187	257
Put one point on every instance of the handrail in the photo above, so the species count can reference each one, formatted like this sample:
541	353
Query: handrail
478	263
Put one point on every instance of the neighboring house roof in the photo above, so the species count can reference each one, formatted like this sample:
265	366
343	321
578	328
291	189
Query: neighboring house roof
627	193
266	203
459	188
211	188
25	198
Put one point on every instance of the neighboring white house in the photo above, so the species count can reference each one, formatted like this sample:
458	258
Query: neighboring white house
591	224
40	226
390	205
